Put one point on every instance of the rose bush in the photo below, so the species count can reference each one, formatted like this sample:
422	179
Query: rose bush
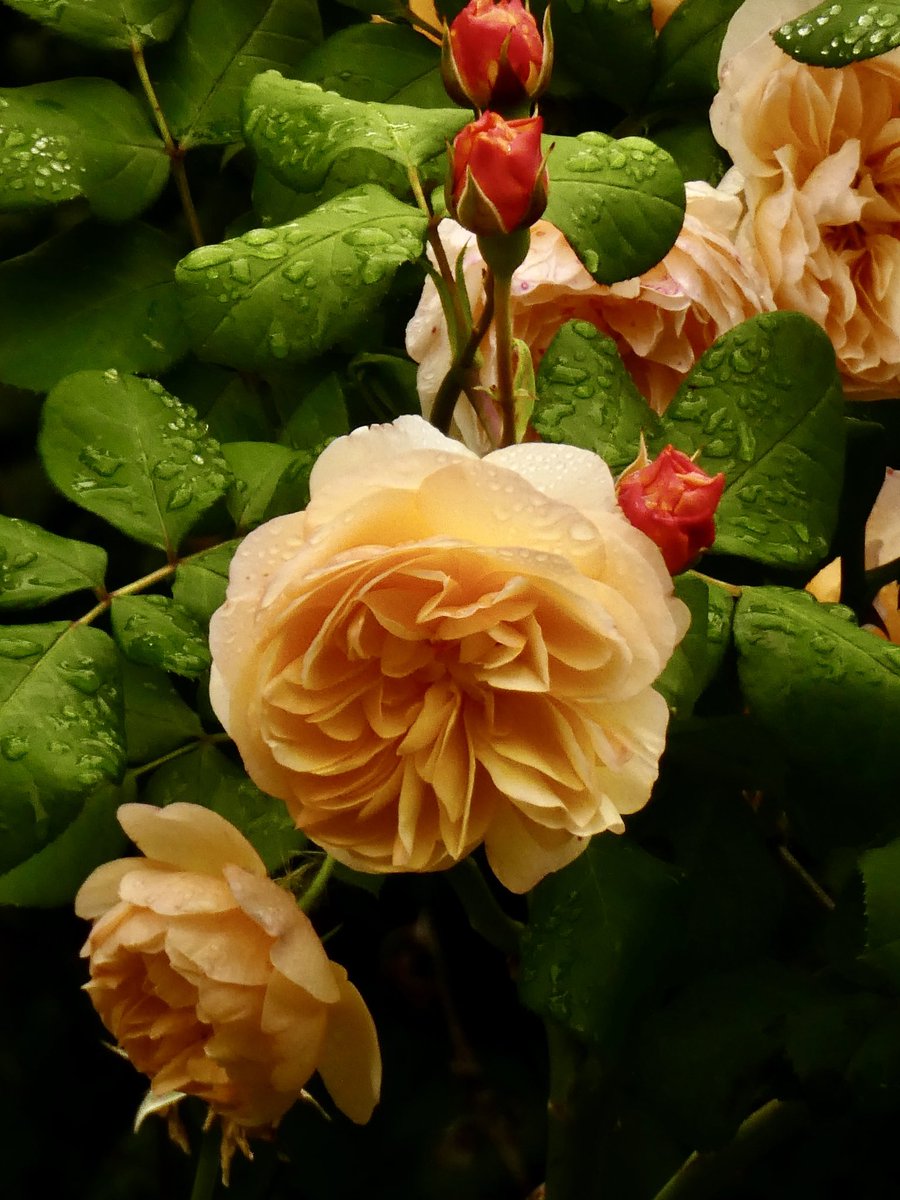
817	152
661	322
212	980
443	651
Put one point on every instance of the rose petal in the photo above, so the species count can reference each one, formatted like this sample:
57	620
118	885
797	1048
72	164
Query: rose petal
189	836
350	1061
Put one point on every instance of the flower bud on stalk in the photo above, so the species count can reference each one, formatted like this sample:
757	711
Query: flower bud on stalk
497	182
493	56
672	501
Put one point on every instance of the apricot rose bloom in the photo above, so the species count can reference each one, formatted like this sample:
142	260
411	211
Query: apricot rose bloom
818	153
661	322
444	651
212	980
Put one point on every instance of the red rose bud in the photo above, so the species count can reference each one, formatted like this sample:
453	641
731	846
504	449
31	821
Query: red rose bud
493	56
672	501
498	179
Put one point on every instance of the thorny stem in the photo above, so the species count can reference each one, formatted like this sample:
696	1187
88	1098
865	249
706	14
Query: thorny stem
173	150
455	380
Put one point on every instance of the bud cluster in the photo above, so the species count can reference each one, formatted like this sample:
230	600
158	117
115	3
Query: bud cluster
494	58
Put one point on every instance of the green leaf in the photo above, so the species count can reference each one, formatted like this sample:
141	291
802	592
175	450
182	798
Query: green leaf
620	203
201	580
79	137
391	64
61	729
53	875
824	1034
587	398
385	385
699	654
228	403
833	35
764	404
607	45
280	296
90	298
205	776
696	152
826	689
298	131
157	720
258	469
881	879
156	631
37	566
109	24
320	416
203	72
687	51
593	945
123	448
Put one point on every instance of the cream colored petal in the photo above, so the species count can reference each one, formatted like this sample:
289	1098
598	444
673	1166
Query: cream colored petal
754	19
188	836
175	893
100	891
224	949
521	853
883	525
572	476
826	585
350	1060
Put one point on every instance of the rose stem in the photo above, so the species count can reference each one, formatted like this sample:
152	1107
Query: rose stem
578	1116
317	887
455	380
208	1164
175	152
440	254
502	285
485	915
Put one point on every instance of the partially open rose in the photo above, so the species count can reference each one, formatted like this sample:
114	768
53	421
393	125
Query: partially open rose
662	322
444	651
818	152
212	980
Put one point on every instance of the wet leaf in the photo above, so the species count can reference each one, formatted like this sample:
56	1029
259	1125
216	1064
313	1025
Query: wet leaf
156	631
391	64
37	566
833	35
607	45
201	580
110	24
157	720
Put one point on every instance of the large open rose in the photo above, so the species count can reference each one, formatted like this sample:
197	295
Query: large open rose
818	152
661	322
444	650
212	980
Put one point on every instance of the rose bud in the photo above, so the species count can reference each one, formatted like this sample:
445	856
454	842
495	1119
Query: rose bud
672	501
498	179
493	56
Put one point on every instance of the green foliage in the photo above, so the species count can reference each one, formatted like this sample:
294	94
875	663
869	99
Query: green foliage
79	137
620	203
125	449
108	24
280	296
699	654
607	45
387	63
90	298
155	631
828	690
157	720
268	480
37	566
203	72
833	35
200	581
687	51
882	886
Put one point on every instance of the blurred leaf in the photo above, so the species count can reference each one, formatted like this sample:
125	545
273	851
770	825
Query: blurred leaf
619	203
696	152
109	24
79	137
765	405
699	654
90	298
823	1035
205	776
874	1070
200	581
827	690
125	449
320	416
687	52
157	720
53	875
226	401
608	45
389	63
385	385
203	72
37	566
291	127
587	398
834	35
156	631
258	469
594	943
61	729
881	878
283	295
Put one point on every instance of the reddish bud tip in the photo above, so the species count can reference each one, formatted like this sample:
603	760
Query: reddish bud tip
493	56
498	181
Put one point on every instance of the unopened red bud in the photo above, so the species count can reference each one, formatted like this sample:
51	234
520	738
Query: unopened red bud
493	55
672	501
498	180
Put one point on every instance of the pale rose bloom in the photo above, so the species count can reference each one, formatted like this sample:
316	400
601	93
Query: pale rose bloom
661	322
212	980
444	651
818	152
882	547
